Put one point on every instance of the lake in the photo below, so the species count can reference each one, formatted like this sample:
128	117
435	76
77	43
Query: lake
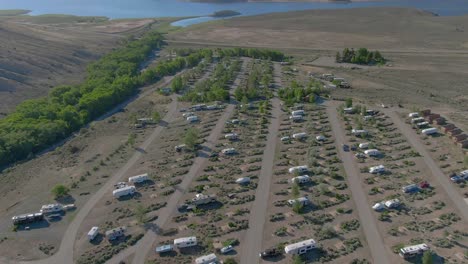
174	8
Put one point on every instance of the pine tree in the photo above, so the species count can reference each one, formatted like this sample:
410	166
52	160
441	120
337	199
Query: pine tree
338	57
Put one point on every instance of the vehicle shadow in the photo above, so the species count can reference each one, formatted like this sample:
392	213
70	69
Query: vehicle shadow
35	225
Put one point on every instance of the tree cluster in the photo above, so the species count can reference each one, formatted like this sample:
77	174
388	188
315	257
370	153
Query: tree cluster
297	93
361	56
263	54
257	83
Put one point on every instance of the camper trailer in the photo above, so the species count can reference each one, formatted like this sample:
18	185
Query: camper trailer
301	200
320	138
228	151
413	115
27	218
115	233
299	169
411	251
429	131
179	148
422	124
359	132
392	203
298	113
138	178
192	119
410	188
417	120
208	259
364	145
301	247
164	249
377	169
185	242
188	114
203	199
349	110
51	208
128	190
301	179
243	180
231	136
372	152
92	233
301	135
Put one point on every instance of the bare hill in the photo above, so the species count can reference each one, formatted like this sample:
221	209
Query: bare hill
40	52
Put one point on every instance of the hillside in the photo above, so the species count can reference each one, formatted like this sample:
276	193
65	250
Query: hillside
40	52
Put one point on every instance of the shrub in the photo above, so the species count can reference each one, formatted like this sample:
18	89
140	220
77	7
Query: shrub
60	190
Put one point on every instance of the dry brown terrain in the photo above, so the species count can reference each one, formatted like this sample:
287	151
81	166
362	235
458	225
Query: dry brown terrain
40	52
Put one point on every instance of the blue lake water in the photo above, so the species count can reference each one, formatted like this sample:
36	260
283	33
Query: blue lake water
174	8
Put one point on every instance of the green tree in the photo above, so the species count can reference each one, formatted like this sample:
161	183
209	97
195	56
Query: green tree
427	257
191	138
245	103
338	57
60	190
349	102
295	190
297	259
230	261
140	213
297	207
156	117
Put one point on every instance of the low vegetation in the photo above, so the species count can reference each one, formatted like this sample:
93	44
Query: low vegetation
361	56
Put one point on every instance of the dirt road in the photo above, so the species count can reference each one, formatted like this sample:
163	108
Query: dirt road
440	176
65	253
144	246
379	252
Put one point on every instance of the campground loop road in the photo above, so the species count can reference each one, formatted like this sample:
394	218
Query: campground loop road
144	246
254	235
379	252
65	253
438	174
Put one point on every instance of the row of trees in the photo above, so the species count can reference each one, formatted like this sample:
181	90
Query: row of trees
298	93
361	56
39	123
257	84
263	54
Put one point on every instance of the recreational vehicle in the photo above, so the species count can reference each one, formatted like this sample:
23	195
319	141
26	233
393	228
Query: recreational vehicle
429	131
128	190
377	169
363	145
228	151
301	179
138	178
349	110
27	218
203	199
320	138
188	114
372	152
208	259
300	248
301	135
299	169
231	136
179	148
164	248
413	115
298	113
411	251
359	132
410	188
185	242
296	118
417	120
301	200
115	233
422	124
192	119
243	180
392	203
51	208
92	233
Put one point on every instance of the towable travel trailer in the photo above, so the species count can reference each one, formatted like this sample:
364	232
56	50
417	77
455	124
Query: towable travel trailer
413	115
299	169
301	247
377	169
296	118
164	248
301	200
128	190
192	119
301	135
429	131
231	136
228	151
185	242
207	259
301	179
27	218
411	251
51	208
203	199
138	178
115	233
372	152
93	232
298	113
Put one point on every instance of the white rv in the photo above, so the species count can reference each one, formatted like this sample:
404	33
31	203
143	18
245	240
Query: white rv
463	173
301	135
364	145
300	248
320	138
413	115
128	190
138	178
164	248
299	169
203	199
372	152
301	200
298	113
417	120
188	114
349	110
301	179
392	203
377	169
231	136
184	242
411	251
429	131
51	208
228	151
208	259
243	180
192	119
422	124
359	132
93	233
296	118
115	233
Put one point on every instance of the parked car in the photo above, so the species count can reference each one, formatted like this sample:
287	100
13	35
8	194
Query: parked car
456	179
353	147
424	185
345	147
270	253
227	249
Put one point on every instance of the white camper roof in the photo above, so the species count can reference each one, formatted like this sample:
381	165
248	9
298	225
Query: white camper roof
93	231
298	245
145	175
414	248
185	240
211	258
